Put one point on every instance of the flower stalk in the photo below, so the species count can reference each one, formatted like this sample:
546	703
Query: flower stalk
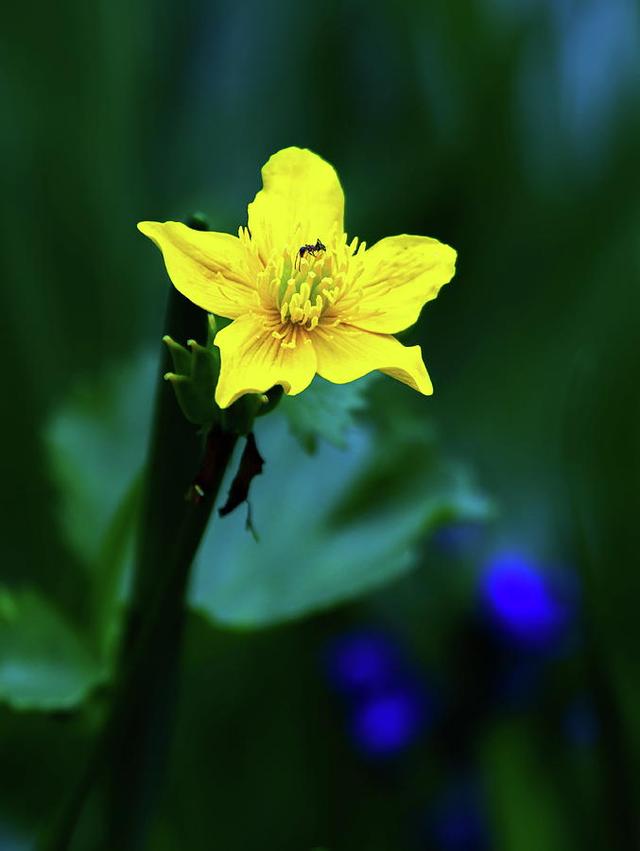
144	707
170	531
124	774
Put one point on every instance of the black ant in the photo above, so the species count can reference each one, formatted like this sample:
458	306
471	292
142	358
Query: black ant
309	249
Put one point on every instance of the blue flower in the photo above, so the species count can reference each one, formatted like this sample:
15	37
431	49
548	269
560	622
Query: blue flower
385	724
363	661
386	701
525	604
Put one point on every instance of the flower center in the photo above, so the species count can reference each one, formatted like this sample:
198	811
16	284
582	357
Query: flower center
300	289
303	287
306	292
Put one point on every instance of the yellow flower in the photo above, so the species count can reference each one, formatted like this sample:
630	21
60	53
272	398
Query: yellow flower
303	299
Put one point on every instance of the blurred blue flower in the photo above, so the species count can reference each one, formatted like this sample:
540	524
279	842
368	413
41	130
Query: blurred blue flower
385	724
527	606
458	822
363	661
388	705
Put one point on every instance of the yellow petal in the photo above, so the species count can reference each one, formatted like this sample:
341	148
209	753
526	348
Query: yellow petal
400	274
301	201
345	353
253	360
210	269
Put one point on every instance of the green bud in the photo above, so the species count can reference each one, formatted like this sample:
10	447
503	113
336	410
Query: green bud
195	374
194	379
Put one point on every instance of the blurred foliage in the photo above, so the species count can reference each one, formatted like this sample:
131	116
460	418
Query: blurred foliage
318	545
354	528
326	411
508	129
43	664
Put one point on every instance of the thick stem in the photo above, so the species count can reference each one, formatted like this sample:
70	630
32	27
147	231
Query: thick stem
174	454
128	763
138	731
140	726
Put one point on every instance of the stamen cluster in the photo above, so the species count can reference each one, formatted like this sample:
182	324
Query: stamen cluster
304	292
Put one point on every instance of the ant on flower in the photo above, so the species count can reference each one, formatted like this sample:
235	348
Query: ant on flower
309	249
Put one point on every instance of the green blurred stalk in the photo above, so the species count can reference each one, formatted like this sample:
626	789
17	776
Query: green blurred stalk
140	724
128	764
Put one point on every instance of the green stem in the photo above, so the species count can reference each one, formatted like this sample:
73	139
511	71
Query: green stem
174	455
134	746
140	725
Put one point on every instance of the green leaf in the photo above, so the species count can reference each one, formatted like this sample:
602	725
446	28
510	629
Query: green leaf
331	526
43	662
96	444
317	546
325	410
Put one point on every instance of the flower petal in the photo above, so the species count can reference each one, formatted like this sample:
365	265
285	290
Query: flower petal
399	275
345	353
253	360
302	201
210	269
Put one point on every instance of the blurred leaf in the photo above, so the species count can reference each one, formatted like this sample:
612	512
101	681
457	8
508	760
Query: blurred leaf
409	465
96	445
331	526
315	549
325	410
43	663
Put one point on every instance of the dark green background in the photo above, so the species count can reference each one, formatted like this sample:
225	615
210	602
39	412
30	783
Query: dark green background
509	130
